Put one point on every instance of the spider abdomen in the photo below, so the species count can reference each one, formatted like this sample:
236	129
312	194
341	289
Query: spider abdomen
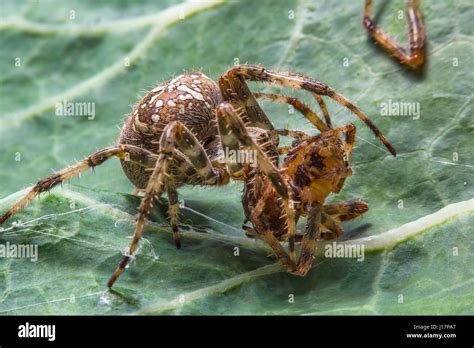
189	98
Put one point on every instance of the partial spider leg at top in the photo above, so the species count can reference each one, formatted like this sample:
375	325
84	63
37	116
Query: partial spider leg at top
416	35
175	136
232	128
324	109
234	77
299	137
304	109
125	152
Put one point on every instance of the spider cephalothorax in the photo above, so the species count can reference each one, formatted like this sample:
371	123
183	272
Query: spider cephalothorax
180	132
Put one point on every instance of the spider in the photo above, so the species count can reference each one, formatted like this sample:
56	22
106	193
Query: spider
416	34
177	134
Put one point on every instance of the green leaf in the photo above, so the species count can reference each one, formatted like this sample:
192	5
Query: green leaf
415	262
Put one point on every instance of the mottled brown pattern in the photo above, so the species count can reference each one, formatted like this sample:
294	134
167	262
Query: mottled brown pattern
197	115
178	134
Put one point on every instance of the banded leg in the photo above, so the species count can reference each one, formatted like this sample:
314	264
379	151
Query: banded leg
350	140
260	74
340	212
283	256
231	127
174	136
122	151
310	240
304	109
329	217
298	135
416	34
336	213
324	110
236	91
345	211
333	227
316	218
173	213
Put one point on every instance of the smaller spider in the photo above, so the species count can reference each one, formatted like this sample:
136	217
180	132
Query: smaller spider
314	167
177	135
416	34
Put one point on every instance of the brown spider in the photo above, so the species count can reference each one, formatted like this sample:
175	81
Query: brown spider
171	138
416	34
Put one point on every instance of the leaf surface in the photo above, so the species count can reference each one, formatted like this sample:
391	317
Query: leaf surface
111	54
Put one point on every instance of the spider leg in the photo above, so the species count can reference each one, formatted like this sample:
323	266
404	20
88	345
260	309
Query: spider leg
236	91
298	135
173	212
345	211
416	35
260	74
340	212
334	228
329	216
304	109
285	259
324	109
309	240
231	128
175	136
269	238
350	140
122	151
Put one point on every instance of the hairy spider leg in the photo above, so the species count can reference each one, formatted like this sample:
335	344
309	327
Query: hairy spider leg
261	74
175	136
309	240
122	151
416	34
350	140
173	210
324	109
299	137
229	120
316	217
304	109
347	210
339	211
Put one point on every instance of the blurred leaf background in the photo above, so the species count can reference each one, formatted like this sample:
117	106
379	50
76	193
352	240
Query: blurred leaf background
111	52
